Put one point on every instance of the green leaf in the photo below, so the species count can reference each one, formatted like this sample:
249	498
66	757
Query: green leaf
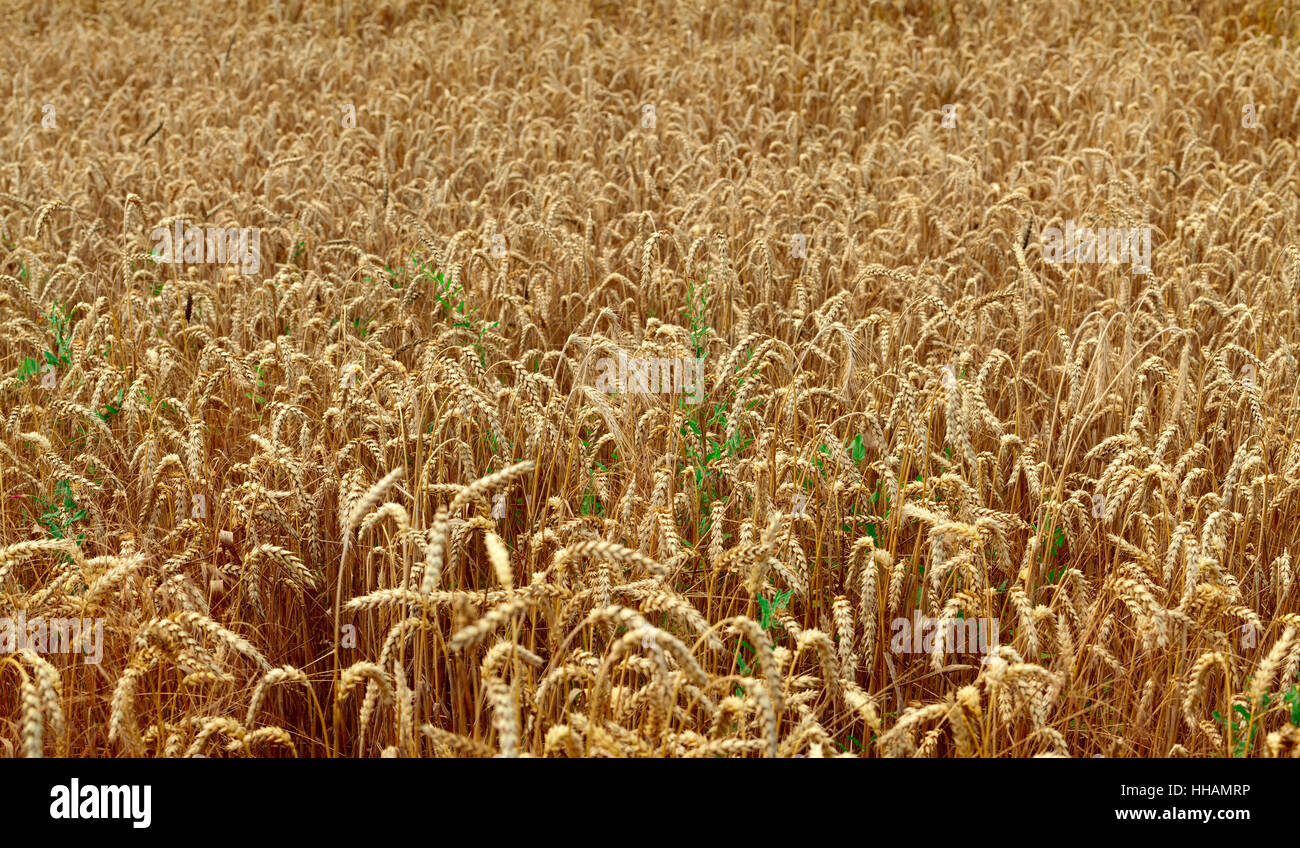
30	367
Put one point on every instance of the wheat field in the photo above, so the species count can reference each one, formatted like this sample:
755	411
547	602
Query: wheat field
375	496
